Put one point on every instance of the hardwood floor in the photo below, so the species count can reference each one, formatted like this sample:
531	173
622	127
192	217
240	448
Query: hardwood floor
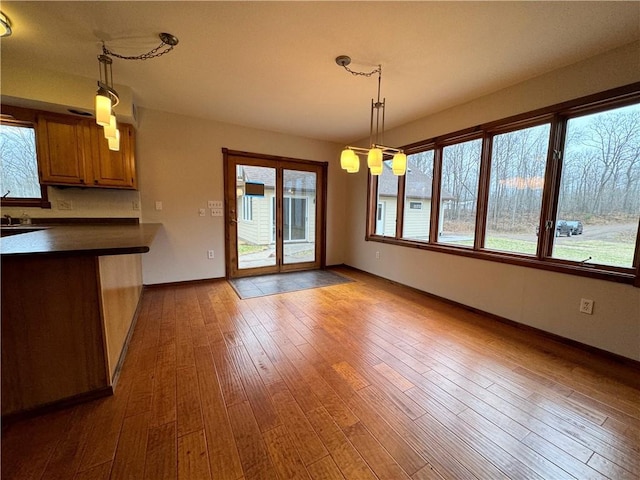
362	380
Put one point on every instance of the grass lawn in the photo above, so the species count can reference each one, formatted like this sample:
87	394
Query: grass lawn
572	248
244	249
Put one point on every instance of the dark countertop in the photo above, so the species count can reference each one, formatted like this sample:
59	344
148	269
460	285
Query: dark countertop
65	240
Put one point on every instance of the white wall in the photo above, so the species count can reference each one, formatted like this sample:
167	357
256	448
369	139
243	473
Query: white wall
180	163
85	203
542	299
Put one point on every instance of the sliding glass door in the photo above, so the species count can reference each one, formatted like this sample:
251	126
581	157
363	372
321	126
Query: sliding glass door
275	214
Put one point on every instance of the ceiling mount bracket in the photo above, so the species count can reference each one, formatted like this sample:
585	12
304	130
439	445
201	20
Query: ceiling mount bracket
343	60
168	39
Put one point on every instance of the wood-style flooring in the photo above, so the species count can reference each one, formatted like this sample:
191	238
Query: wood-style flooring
362	380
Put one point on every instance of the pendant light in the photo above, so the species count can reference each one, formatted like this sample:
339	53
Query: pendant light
377	151
107	98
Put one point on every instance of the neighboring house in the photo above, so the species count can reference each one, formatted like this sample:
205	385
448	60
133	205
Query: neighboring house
417	206
256	214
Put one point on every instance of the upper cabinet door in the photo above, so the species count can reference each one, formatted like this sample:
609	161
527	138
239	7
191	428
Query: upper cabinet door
114	169
62	150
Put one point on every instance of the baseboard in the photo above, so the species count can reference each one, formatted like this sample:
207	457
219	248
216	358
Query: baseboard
583	347
125	347
184	283
57	405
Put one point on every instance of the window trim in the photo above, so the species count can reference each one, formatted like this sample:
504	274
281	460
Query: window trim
43	201
558	115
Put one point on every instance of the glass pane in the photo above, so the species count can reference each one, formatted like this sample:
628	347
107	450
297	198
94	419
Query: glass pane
299	216
459	195
518	162
417	196
387	201
18	162
599	202
255	215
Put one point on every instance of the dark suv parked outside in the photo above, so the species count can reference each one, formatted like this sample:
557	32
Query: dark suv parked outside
566	227
574	225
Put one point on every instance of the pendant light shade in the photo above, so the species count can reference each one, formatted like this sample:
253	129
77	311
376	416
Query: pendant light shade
103	107
114	143
376	170
399	164
110	129
374	158
354	167
346	158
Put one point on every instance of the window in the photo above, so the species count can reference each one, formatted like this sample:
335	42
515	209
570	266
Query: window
387	202
19	183
418	184
460	174
247	208
518	161
599	198
557	188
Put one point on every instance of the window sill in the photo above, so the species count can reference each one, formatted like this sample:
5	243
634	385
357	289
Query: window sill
25	202
622	275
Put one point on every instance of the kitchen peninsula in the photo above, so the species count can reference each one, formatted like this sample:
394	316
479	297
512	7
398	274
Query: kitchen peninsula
70	295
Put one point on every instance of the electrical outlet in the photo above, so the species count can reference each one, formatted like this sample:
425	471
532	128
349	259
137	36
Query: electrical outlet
377	255
202	212
217	204
211	204
586	306
135	205
158	205
210	254
65	205
216	212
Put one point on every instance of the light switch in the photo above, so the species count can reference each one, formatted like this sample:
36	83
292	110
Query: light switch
202	212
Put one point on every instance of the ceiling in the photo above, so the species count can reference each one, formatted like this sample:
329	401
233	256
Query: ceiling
271	65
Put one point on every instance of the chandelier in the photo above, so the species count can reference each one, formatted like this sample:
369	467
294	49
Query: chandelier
5	25
377	153
107	97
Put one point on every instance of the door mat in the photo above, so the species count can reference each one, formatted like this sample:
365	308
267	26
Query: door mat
260	286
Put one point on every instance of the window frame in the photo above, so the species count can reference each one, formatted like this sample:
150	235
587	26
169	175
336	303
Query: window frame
558	115
20	118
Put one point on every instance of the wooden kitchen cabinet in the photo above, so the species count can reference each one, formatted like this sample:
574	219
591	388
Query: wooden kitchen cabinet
73	151
114	168
63	149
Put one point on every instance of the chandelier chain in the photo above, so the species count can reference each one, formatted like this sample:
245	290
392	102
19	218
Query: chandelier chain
363	74
144	56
